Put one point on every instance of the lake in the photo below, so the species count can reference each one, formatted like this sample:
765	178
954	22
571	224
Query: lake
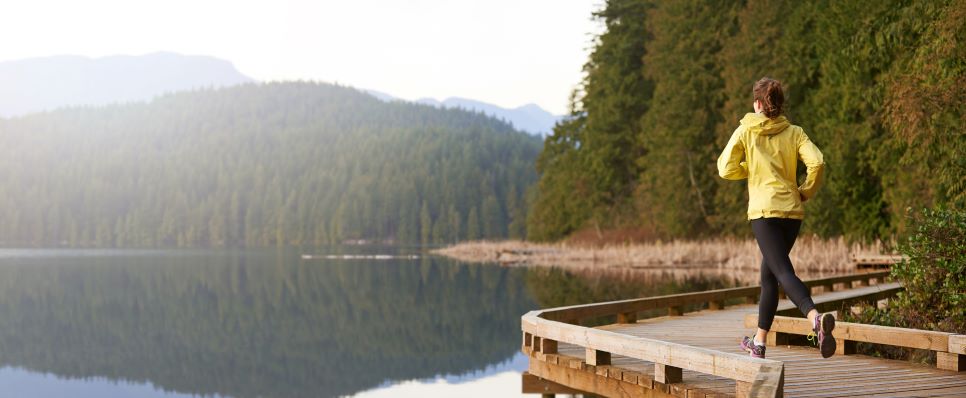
268	323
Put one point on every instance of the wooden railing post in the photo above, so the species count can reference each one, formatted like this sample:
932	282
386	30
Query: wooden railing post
627	317
846	347
951	361
667	374
597	357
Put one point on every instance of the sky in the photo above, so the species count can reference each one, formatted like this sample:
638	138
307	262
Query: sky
506	52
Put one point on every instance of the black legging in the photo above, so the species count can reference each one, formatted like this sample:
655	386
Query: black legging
775	237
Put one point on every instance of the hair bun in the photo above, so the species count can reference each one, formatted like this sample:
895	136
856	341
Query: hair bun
769	92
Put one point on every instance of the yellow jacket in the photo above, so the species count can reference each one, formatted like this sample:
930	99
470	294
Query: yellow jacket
766	152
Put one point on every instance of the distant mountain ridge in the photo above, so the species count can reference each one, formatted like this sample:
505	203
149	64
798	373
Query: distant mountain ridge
42	84
530	118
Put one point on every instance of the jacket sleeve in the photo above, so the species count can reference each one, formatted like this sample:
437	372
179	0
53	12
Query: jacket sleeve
814	165
731	165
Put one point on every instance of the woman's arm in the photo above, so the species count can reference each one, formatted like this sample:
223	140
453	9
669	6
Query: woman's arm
814	164
730	163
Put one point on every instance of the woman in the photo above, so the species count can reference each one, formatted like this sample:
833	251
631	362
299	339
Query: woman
765	149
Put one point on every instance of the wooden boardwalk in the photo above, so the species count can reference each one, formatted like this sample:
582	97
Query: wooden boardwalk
696	354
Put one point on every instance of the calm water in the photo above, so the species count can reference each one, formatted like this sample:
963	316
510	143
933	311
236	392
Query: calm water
102	323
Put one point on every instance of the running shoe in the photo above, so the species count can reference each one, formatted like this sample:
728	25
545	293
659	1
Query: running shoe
756	350
822	329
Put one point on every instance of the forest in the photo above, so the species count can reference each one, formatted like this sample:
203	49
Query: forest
879	86
259	165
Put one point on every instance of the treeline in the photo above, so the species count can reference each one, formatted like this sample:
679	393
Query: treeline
879	86
261	165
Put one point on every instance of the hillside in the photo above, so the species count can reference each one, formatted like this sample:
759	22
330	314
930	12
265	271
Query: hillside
40	84
880	87
261	165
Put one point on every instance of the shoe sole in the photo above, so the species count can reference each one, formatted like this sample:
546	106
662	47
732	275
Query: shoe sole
828	341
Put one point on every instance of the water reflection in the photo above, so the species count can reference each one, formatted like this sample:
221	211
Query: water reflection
256	324
269	324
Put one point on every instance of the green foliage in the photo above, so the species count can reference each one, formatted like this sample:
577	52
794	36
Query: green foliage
260	165
880	87
934	277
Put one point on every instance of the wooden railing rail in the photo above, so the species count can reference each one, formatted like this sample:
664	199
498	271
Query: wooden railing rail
950	348
754	377
627	310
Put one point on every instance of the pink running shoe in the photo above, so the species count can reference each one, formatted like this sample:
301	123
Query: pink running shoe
756	350
822	327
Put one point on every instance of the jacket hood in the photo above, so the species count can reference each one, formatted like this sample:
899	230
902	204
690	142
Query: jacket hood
760	124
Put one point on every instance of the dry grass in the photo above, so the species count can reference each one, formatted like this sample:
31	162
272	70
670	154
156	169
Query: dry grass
811	256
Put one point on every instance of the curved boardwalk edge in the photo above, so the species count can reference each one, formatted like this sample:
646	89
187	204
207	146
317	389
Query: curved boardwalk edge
632	358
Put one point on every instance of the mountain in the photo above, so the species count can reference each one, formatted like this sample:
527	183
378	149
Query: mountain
260	165
40	84
530	117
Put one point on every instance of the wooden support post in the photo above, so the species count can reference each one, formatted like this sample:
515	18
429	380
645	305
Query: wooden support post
950	361
829	287
548	346
716	305
597	357
742	389
666	374
627	317
674	310
846	347
776	338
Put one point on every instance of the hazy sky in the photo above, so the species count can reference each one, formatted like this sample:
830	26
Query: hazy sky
508	52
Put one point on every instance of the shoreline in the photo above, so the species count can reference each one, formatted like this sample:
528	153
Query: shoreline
810	254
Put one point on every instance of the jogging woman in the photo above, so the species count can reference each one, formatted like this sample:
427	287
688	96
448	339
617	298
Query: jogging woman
765	149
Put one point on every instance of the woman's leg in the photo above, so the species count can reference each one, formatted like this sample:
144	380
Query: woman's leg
768	302
775	237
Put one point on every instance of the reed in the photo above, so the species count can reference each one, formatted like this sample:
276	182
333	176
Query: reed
810	255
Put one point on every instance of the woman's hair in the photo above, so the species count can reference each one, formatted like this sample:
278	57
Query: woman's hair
769	92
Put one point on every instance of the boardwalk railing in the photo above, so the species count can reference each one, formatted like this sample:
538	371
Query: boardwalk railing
543	330
950	348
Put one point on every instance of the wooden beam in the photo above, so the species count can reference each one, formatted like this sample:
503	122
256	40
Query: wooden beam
589	382
724	364
531	384
900	337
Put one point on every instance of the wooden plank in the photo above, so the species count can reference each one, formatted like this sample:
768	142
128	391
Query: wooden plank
590	382
531	384
900	337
